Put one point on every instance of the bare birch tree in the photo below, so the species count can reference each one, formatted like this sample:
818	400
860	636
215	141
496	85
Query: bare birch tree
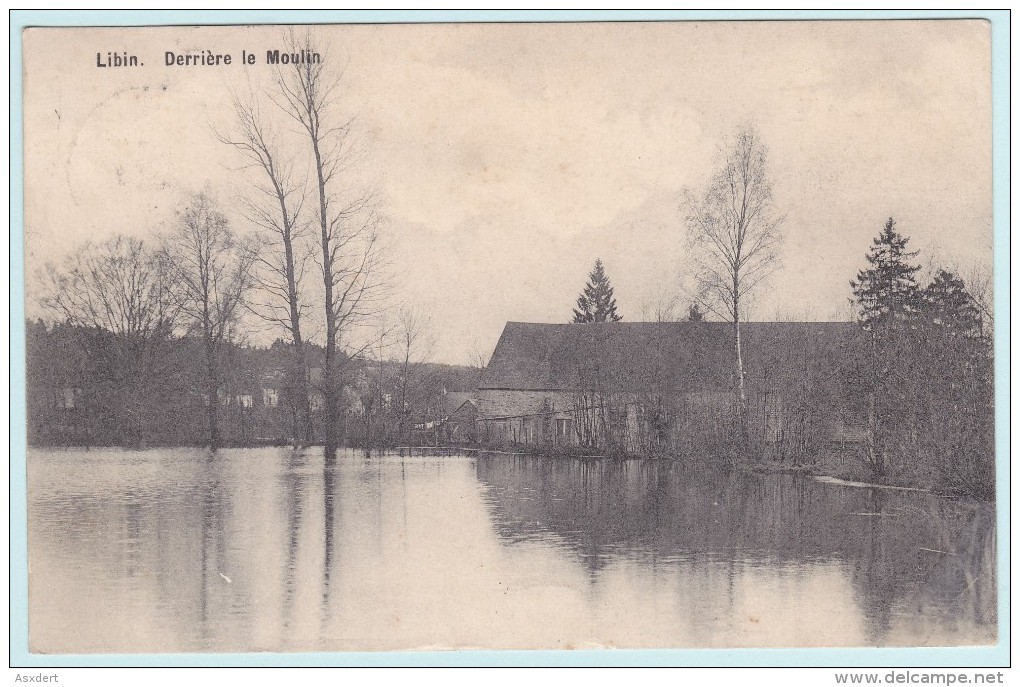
121	287
274	206
211	272
350	254
734	233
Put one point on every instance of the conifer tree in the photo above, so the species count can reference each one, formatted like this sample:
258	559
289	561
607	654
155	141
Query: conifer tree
954	390
596	303
925	375
949	308
887	293
888	299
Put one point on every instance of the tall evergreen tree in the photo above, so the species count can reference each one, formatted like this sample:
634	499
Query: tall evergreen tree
887	293
596	303
925	376
954	391
888	300
949	308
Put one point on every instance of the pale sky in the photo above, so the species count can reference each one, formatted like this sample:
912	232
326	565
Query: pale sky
507	158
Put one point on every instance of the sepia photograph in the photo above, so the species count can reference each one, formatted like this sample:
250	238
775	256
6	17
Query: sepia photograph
391	337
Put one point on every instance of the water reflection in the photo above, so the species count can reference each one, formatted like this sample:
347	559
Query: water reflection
841	563
287	550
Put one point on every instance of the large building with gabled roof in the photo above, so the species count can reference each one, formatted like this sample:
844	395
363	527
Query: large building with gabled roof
639	384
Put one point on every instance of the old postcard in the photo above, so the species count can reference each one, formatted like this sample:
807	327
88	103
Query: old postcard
564	336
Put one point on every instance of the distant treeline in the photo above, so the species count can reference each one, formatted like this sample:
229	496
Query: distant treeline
83	390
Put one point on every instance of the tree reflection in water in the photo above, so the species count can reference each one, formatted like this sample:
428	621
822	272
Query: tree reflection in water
912	559
297	550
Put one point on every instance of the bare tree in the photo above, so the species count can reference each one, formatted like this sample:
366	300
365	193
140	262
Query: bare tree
274	207
980	288
663	308
416	347
479	358
351	253
120	287
734	232
375	399
211	273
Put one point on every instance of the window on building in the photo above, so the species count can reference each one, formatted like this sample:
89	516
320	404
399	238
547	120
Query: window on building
270	398
69	398
563	427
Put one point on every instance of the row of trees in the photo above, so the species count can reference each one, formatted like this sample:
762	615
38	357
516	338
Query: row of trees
142	297
200	278
923	381
76	394
928	376
148	308
313	266
340	234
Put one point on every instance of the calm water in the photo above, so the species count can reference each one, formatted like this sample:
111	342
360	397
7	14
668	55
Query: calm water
274	550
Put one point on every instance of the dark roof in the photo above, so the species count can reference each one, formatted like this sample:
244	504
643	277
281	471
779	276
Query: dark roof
634	356
466	406
453	400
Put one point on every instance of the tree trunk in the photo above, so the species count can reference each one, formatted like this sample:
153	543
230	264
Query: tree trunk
739	350
741	393
139	429
212	389
329	363
875	454
404	430
302	430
